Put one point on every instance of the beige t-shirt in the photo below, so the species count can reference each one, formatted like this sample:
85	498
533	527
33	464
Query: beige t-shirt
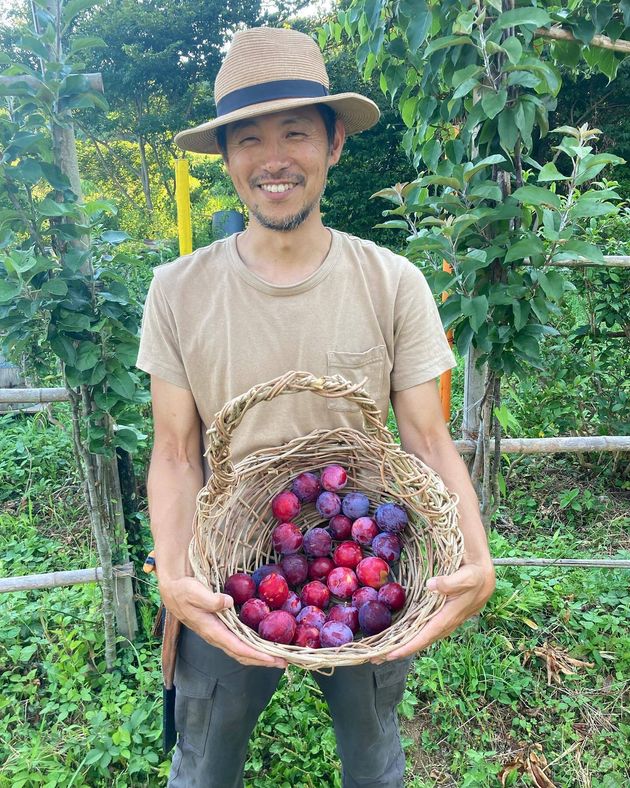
212	326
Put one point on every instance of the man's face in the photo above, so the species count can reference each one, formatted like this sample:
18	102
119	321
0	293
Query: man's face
279	163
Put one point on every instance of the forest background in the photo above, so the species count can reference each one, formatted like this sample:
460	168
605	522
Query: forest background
537	691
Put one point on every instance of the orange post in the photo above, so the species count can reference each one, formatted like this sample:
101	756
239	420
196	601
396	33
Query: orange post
445	377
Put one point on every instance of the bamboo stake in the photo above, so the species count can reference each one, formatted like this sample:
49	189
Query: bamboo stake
59	579
603	42
606	563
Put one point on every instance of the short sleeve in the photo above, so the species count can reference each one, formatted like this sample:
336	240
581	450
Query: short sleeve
159	352
421	349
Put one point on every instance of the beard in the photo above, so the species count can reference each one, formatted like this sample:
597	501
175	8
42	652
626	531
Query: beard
288	223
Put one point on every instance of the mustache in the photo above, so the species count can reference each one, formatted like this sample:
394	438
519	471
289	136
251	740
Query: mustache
286	177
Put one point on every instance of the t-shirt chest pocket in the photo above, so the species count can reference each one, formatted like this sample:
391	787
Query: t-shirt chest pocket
355	367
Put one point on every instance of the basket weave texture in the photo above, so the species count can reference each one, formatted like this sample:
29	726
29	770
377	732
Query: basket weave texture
233	521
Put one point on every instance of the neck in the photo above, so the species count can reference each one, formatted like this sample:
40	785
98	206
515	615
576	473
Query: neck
284	257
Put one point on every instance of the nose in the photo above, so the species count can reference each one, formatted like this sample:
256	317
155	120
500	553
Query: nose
275	156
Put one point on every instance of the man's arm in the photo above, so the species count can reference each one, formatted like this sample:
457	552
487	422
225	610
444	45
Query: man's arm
175	478
424	434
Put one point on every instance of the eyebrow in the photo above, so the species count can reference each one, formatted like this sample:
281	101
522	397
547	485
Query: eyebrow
239	125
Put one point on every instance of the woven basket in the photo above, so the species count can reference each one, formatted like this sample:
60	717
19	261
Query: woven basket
233	521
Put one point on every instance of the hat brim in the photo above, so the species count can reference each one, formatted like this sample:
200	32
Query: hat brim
357	112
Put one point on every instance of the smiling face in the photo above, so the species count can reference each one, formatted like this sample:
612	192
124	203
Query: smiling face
279	164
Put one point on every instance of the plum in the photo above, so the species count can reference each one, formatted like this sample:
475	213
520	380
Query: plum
348	554
355	505
373	571
285	506
311	616
306	635
293	604
278	626
240	586
273	590
334	634
363	595
253	612
340	527
342	582
320	568
374	617
364	529
306	487
286	538
334	478
315	593
391	517
387	546
346	614
295	568
317	542
392	595
264	570
328	504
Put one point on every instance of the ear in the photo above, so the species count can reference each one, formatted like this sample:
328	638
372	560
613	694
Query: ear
337	143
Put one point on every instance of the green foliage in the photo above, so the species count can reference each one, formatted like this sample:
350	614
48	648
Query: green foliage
471	88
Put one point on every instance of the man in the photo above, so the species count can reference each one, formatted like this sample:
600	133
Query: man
288	293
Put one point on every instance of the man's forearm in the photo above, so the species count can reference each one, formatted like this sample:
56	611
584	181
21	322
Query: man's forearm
172	489
444	459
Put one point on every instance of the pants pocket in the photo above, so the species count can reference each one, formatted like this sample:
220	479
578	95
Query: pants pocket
194	701
390	681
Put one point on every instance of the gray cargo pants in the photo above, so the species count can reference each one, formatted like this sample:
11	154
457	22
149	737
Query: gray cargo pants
218	703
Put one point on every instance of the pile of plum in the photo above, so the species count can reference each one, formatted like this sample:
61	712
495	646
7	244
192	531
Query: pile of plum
332	581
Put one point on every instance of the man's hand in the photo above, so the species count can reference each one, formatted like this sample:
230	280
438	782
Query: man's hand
195	606
466	591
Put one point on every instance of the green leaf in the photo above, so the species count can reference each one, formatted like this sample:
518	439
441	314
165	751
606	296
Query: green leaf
493	102
463	335
48	207
64	348
396	224
537	17
55	287
8	290
552	284
115	236
408	111
122	383
476	309
88	42
88	355
450	310
520	309
536	196
550	173
470	170
465	87
583	30
575	248
55	177
27	171
513	48
603	60
419	23
486	190
568	53
445	41
34	45
126	439
540	308
70	10
527	247
508	130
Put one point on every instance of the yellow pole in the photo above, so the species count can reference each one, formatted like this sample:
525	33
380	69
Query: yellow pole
182	198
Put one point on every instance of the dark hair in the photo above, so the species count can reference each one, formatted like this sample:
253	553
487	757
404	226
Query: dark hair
327	114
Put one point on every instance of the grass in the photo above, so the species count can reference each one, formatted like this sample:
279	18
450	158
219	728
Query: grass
489	703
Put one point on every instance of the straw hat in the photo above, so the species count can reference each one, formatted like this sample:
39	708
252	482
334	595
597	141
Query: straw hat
271	70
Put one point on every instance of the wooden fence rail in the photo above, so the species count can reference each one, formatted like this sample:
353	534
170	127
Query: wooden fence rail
95	575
